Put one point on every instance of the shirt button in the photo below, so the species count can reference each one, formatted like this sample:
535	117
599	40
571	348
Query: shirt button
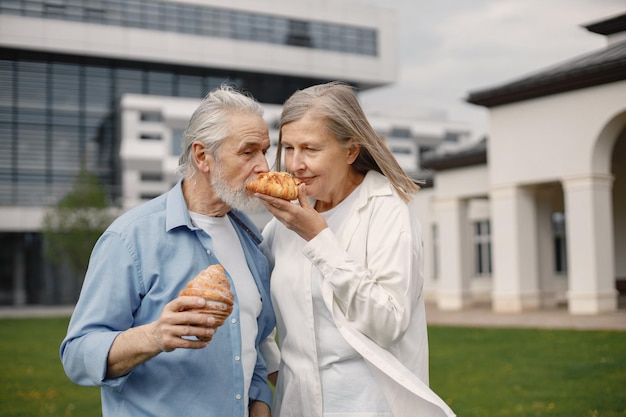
233	321
238	396
237	358
208	251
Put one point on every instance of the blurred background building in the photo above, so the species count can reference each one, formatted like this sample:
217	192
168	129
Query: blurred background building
110	85
534	216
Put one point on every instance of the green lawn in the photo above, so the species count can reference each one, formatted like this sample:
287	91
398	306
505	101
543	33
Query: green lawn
480	372
32	381
484	372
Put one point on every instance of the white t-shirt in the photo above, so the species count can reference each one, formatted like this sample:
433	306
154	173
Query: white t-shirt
348	386
228	250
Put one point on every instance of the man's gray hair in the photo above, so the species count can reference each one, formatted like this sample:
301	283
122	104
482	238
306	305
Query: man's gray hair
211	125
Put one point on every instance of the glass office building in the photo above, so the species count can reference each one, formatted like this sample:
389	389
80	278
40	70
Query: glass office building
65	64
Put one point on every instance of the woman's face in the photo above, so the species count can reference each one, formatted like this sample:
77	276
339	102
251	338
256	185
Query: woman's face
315	157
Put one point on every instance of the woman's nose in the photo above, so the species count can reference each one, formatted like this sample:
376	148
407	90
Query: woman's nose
295	162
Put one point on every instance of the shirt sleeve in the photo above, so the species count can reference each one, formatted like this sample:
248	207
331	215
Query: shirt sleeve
109	295
271	353
375	295
259	386
268	241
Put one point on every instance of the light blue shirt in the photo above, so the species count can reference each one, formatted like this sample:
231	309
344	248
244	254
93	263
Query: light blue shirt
137	266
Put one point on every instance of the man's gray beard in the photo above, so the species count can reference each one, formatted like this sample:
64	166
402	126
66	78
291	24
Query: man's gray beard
234	198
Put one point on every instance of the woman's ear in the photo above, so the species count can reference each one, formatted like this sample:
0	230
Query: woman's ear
201	157
353	151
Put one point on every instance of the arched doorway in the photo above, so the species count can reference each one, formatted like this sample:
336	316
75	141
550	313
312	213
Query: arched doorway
618	169
609	155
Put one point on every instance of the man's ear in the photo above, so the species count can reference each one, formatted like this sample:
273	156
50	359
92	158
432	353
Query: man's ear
203	159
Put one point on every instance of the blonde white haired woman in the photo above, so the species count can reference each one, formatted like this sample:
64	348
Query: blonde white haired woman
347	269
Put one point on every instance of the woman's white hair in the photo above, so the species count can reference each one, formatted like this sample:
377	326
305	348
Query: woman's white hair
210	124
337	105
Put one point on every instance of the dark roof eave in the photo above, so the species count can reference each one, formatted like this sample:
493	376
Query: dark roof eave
516	92
456	160
609	26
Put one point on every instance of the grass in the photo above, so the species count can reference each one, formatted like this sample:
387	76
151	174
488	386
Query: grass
480	372
529	372
32	380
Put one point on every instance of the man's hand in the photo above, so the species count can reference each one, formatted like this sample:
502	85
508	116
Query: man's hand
259	409
179	318
273	378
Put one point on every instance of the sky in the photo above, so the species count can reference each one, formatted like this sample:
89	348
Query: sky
449	48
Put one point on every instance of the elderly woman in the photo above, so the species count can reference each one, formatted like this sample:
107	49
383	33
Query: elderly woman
347	269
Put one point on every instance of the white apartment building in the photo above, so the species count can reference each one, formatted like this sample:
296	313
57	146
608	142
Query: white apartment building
152	129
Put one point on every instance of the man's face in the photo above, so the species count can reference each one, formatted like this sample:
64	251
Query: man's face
240	158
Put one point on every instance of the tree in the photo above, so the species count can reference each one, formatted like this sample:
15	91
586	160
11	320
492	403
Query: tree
72	226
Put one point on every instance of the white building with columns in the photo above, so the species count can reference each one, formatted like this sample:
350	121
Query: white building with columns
535	215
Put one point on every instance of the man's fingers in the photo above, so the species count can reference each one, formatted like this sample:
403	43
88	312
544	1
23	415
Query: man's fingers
186	302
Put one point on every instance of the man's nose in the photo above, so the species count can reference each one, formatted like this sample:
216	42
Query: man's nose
262	165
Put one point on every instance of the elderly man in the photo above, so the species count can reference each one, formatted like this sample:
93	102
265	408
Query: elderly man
131	334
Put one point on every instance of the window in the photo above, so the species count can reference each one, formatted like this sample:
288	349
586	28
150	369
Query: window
203	21
400	132
401	150
151	177
451	137
148	196
177	141
482	247
560	242
154	116
435	231
150	136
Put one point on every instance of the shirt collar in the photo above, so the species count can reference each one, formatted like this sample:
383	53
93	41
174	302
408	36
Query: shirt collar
176	211
177	215
374	184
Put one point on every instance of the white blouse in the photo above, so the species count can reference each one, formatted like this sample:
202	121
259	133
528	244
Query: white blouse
371	282
348	386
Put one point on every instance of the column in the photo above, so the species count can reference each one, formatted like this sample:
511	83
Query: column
515	257
454	279
590	251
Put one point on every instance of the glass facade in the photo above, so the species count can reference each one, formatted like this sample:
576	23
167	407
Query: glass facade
203	21
58	112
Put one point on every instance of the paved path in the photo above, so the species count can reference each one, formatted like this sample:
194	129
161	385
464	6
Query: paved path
557	318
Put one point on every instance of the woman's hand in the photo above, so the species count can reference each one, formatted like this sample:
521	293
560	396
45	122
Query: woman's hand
301	218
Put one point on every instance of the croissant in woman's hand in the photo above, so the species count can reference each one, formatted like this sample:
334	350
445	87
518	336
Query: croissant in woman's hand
275	184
